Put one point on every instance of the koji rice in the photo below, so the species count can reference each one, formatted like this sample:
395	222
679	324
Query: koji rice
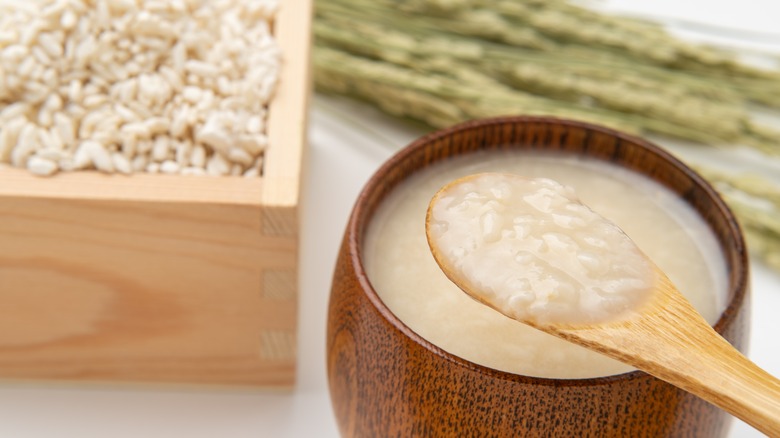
175	86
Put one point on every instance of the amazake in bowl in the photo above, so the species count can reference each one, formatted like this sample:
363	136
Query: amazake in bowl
385	380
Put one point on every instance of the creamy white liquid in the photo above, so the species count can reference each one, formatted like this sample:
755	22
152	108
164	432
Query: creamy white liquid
402	270
530	249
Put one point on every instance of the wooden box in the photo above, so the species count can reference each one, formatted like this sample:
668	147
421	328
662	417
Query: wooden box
154	278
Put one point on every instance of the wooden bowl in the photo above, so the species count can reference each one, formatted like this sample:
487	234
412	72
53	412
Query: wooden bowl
385	380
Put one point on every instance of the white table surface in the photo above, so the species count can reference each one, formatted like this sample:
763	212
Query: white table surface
348	142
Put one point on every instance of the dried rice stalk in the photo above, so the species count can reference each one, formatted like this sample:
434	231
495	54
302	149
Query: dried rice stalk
445	61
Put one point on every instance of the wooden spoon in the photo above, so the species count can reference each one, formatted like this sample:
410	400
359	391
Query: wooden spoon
664	336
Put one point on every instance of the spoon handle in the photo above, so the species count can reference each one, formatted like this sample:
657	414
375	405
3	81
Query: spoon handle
732	382
674	343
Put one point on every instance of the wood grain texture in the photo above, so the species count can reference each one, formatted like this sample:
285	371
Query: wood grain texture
150	291
289	112
158	278
385	380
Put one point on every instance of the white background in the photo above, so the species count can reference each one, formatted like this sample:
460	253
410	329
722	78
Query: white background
348	142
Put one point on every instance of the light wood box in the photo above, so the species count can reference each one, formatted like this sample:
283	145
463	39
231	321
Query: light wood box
161	279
